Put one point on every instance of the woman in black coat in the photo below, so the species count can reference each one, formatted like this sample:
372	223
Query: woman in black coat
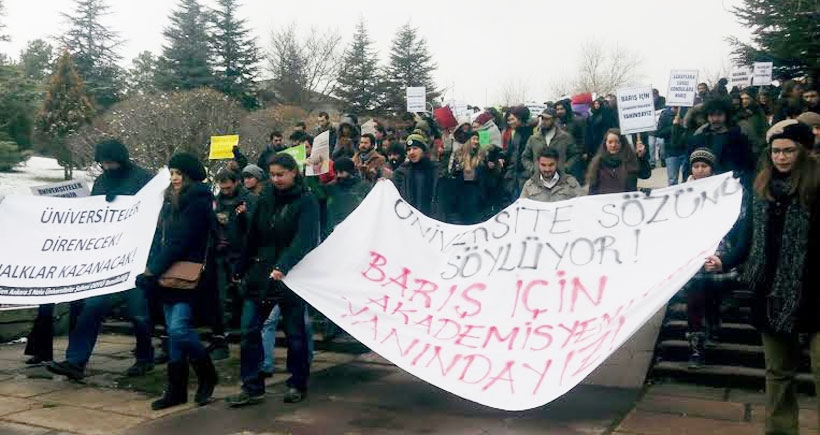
182	234
283	229
783	245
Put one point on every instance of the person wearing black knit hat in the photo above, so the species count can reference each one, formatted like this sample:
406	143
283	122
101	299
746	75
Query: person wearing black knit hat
702	163
120	177
417	178
185	224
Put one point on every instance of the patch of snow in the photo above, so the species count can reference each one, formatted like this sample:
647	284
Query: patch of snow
36	171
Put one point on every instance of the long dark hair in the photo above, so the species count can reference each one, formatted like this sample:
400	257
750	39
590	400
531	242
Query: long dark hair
629	160
804	177
173	196
289	163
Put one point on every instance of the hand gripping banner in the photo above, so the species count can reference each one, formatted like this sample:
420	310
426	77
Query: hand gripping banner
514	312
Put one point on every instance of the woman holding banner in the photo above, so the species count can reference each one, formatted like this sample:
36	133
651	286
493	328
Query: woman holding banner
175	276
616	167
283	229
781	268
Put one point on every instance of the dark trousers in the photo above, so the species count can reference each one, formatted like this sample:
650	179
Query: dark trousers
703	301
252	353
40	341
83	337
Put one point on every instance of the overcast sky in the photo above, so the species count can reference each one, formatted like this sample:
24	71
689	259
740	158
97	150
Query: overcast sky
478	45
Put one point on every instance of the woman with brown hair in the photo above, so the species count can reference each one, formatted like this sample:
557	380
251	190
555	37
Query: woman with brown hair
782	246
616	167
465	179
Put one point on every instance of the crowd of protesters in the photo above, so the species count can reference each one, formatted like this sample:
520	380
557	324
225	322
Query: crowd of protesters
462	169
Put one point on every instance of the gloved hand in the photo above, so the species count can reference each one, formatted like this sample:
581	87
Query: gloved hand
145	281
110	197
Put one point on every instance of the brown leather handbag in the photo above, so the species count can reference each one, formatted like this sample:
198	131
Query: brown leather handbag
182	275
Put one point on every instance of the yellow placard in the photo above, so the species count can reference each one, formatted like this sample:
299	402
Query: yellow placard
222	147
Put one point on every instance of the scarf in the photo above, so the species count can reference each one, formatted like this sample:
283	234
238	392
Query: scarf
780	185
611	160
549	184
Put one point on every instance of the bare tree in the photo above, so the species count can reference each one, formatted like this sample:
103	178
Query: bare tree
303	68
513	93
712	75
603	69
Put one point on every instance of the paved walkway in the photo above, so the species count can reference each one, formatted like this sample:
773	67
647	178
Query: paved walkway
684	409
32	401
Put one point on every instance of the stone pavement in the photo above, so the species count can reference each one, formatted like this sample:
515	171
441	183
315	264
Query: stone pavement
684	409
371	396
32	401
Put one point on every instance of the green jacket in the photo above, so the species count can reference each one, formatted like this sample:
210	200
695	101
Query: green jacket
569	153
567	188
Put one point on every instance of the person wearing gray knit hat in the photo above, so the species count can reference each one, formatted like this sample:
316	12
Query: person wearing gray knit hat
702	163
254	178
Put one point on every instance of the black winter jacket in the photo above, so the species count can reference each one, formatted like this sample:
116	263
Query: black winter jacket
182	235
284	228
417	183
128	180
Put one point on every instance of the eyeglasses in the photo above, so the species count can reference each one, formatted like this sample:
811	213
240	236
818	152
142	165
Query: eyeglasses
784	151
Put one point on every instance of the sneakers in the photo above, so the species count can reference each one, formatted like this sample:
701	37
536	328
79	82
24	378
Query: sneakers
294	395
36	360
139	368
67	369
697	348
244	399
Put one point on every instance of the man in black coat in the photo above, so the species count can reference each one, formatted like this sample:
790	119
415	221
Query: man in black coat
417	178
120	177
727	142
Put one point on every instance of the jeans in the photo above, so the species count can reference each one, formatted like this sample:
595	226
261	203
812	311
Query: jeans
652	145
269	337
183	340
782	353
674	164
83	337
252	351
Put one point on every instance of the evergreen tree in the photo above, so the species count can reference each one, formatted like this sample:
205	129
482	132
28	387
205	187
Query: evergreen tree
37	60
10	153
19	97
94	47
186	61
358	79
236	53
3	36
410	65
142	76
785	32
65	110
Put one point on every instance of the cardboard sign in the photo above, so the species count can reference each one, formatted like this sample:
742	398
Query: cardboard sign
636	110
515	311
60	251
484	137
762	73
65	189
299	153
683	87
319	161
222	147
416	99
740	77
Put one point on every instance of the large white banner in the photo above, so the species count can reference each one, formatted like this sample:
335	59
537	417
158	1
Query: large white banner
58	250
636	110
514	312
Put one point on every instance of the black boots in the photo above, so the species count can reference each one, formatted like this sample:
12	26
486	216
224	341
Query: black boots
177	391
206	380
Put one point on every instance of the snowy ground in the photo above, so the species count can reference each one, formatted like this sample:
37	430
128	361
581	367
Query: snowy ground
37	171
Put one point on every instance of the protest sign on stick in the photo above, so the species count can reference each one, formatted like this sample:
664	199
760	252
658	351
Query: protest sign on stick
762	73
299	153
222	147
740	77
416	99
636	110
319	161
56	251
515	311
683	87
